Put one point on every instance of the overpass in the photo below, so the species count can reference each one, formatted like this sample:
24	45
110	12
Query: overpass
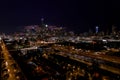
102	61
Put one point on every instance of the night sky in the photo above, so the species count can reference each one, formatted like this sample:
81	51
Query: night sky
77	15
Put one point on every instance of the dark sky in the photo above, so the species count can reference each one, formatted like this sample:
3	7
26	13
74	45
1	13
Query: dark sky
77	15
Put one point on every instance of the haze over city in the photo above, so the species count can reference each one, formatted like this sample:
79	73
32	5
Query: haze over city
79	16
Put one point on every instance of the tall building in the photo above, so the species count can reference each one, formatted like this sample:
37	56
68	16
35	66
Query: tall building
96	29
113	29
42	22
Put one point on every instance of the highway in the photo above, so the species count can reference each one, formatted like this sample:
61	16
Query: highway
10	69
89	57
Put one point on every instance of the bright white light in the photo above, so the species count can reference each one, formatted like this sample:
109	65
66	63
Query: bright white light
21	38
0	38
104	40
46	25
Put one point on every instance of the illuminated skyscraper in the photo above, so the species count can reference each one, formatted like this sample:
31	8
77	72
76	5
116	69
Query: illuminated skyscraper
42	22
96	29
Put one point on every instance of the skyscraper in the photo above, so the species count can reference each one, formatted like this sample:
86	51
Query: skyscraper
96	29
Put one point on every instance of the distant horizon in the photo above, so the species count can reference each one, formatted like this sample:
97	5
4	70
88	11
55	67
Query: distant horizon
79	16
20	28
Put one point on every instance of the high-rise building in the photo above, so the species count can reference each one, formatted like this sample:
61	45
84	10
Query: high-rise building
42	22
113	29
96	29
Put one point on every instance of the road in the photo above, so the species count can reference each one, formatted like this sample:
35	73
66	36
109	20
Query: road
89	57
13	71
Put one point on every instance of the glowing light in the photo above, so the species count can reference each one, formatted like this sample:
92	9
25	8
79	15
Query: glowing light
6	63
97	29
46	25
104	40
21	38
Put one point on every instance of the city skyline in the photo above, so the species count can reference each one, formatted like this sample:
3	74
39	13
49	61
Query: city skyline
79	16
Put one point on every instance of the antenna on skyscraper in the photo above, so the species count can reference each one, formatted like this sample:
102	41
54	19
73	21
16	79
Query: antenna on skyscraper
42	22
